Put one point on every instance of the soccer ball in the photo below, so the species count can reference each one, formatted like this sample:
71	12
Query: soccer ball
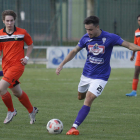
54	126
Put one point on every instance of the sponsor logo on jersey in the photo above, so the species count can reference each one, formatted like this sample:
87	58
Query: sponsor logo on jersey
96	49
96	60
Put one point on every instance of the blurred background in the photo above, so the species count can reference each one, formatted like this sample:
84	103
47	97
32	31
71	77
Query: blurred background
60	22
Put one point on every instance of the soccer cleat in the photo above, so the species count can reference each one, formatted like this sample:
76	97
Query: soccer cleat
32	115
10	116
73	131
133	93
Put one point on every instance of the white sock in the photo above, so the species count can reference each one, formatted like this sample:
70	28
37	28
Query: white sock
75	125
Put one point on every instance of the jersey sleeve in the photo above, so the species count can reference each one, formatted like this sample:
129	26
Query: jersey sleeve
27	38
116	40
81	43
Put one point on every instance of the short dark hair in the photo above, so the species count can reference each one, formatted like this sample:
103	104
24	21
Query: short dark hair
8	12
92	20
138	16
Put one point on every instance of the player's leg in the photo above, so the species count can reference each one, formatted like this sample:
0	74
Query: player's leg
81	96
95	89
135	82
6	98
22	97
10	76
24	100
135	78
83	87
82	113
82	91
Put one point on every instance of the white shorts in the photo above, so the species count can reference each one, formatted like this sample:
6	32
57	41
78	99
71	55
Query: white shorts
95	86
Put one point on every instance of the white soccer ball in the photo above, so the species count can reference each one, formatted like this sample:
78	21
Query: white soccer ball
54	126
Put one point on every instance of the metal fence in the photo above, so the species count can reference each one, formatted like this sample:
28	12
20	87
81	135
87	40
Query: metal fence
118	16
49	22
60	22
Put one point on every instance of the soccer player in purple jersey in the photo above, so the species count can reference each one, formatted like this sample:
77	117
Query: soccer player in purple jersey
99	45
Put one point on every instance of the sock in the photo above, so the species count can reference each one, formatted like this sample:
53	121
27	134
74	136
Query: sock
135	84
7	99
81	115
24	99
1	73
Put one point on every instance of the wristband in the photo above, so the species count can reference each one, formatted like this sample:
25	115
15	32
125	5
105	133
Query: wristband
26	57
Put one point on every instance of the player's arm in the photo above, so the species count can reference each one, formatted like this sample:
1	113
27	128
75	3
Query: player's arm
29	50
133	56
26	58
131	46
69	57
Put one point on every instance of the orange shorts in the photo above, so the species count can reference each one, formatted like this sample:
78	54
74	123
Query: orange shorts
12	75
137	63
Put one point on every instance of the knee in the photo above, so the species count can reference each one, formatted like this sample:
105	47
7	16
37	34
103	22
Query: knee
81	96
2	91
89	99
17	94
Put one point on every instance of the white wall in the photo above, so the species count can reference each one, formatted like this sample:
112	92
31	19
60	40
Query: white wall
120	57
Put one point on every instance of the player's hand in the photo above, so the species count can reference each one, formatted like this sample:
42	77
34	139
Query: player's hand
58	69
24	61
0	53
132	58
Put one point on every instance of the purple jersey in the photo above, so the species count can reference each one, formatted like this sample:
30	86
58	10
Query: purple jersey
99	51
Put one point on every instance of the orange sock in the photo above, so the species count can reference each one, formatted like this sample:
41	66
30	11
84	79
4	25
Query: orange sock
26	102
135	84
7	99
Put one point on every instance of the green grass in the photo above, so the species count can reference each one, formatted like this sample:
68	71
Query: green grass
113	116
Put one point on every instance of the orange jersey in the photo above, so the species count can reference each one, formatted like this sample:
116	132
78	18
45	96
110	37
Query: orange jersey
137	42
12	46
137	37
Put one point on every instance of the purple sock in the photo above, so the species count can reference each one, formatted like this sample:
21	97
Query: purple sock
82	114
1	73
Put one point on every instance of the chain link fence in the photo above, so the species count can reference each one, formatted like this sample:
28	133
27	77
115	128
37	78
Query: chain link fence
60	22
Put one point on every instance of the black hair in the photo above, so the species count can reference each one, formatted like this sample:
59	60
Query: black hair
92	20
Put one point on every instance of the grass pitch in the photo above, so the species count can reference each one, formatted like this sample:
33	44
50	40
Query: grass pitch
113	116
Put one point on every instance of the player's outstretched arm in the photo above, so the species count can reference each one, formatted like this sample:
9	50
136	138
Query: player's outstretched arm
69	57
131	46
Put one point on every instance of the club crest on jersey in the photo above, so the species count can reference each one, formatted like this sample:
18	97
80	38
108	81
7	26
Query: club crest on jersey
15	37
96	49
103	39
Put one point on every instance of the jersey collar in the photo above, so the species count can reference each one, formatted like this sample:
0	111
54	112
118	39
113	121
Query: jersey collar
4	30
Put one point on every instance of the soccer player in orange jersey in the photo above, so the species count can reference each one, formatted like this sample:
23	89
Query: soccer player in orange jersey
12	41
137	63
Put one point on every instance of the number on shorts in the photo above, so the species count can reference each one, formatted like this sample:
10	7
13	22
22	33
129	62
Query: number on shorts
100	88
